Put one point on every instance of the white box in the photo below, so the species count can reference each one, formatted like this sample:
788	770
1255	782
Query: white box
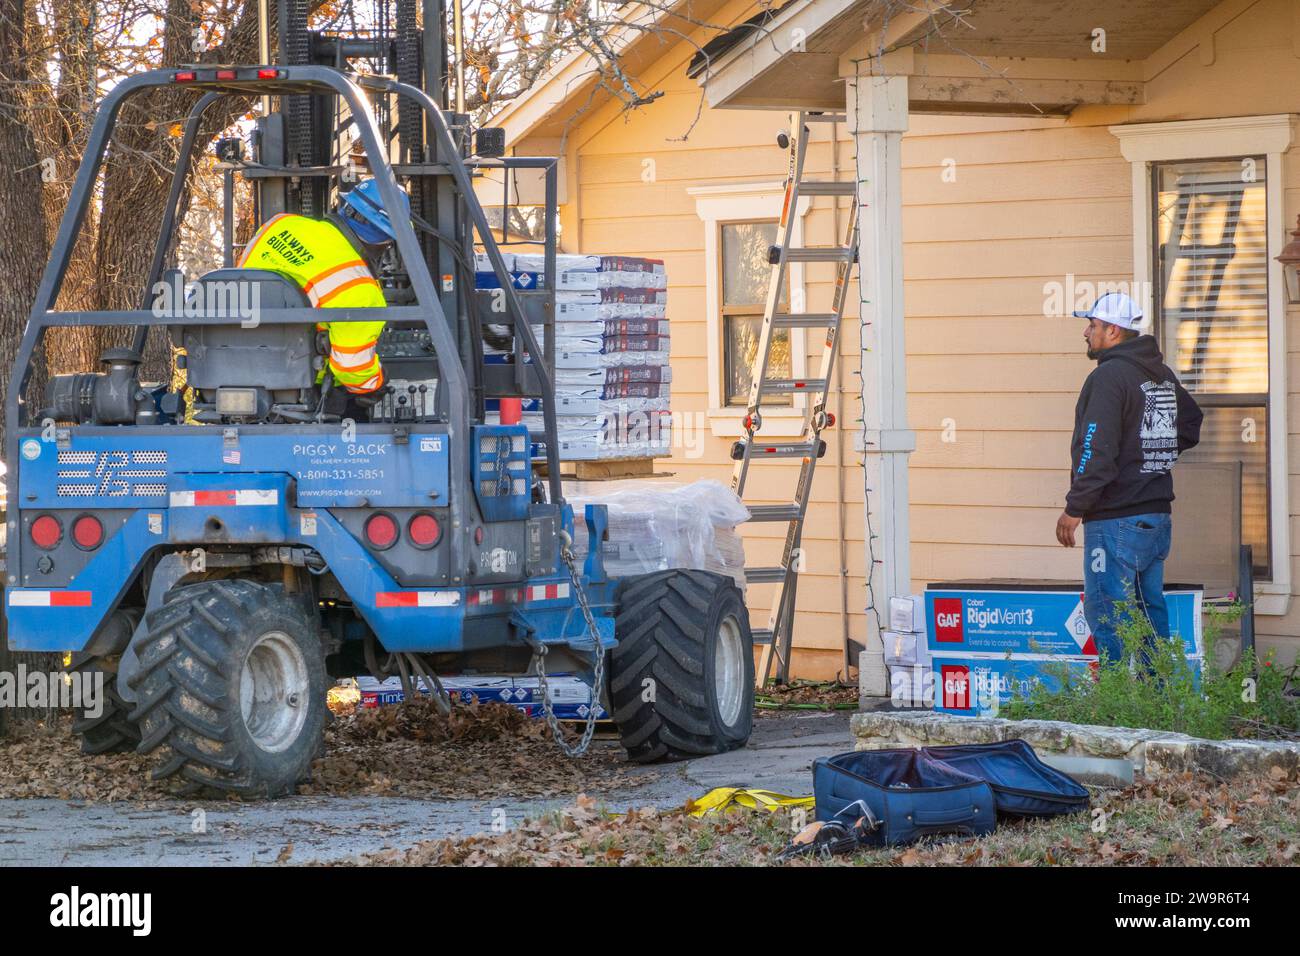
904	648
907	613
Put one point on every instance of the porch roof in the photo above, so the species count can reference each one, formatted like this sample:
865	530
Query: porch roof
991	56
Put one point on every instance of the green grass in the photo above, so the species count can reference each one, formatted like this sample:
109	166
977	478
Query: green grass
1247	700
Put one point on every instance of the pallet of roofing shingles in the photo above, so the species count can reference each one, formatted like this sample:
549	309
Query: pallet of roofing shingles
654	525
610	316
629	300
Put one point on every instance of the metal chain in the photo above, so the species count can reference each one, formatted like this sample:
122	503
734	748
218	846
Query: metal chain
598	675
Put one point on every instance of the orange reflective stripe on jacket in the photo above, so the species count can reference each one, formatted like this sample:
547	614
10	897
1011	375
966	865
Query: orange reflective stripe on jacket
317	257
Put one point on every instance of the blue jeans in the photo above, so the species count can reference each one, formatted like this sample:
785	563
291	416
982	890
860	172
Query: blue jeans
1124	560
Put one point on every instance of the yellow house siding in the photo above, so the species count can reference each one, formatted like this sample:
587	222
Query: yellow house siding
1032	201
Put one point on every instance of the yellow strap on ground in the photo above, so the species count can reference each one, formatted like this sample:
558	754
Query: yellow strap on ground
723	797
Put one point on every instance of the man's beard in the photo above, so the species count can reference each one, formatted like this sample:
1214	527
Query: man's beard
1094	354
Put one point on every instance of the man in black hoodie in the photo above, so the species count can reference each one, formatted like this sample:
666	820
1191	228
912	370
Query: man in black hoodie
1132	421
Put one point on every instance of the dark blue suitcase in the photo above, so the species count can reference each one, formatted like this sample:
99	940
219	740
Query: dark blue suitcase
1023	786
905	794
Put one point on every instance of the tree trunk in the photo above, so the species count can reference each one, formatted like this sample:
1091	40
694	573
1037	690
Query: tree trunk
137	175
22	215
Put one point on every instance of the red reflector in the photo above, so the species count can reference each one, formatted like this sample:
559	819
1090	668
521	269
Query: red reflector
185	76
46	532
268	74
424	531
69	599
381	531
225	74
87	532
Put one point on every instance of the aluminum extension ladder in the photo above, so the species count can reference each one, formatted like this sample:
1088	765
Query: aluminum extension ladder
776	639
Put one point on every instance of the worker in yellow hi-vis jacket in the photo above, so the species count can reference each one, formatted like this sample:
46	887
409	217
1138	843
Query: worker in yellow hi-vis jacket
328	260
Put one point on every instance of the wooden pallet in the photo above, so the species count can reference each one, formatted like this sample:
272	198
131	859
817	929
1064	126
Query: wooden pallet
608	469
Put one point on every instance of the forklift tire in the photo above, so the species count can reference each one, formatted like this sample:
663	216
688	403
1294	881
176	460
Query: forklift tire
231	688
681	680
113	731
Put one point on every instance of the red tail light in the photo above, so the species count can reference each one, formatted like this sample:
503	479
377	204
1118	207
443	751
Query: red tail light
46	532
424	530
225	74
185	76
268	74
87	533
381	531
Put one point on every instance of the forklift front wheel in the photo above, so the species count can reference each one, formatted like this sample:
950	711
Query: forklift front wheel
681	679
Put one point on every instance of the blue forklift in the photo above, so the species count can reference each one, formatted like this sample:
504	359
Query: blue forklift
222	550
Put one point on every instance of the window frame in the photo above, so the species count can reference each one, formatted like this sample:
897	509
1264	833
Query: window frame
1244	400
1146	144
722	205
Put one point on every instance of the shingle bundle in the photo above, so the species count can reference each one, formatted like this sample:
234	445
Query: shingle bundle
612	377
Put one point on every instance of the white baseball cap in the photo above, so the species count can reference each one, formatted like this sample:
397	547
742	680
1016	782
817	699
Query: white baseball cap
1115	308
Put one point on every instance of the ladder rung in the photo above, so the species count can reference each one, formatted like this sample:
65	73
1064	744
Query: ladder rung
764	449
761	635
822	187
773	512
819	254
805	320
794	385
764	575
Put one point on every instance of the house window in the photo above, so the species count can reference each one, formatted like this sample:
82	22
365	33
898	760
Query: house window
1211	285
745	278
739	223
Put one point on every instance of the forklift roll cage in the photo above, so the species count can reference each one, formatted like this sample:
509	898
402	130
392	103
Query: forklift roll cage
428	310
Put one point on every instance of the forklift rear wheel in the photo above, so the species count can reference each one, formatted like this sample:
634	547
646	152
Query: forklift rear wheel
231	688
682	674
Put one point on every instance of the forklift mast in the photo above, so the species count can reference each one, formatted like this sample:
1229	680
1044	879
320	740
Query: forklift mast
302	134
297	149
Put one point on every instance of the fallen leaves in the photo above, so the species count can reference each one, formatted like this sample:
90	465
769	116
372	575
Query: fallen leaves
410	750
1184	820
478	751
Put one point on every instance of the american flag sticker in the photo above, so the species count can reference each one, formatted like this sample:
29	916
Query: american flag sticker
230	457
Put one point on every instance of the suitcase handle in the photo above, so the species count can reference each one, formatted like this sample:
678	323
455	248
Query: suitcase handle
936	821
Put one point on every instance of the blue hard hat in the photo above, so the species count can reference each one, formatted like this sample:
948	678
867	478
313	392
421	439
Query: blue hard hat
364	210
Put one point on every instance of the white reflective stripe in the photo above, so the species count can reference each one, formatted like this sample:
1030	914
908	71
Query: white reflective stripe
317	290
369	385
257	496
29	598
224	498
348	361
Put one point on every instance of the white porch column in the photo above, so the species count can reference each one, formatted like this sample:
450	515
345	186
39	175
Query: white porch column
877	118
